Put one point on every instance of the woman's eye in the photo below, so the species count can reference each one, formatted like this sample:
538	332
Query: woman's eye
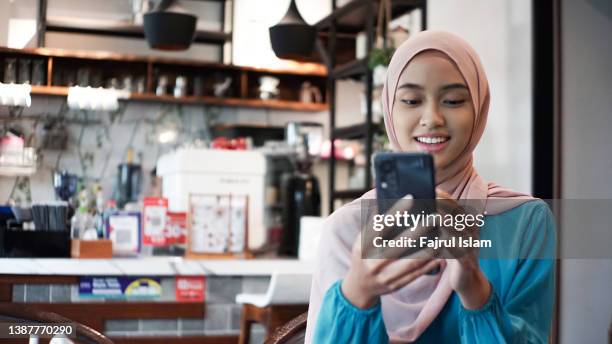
411	101
454	102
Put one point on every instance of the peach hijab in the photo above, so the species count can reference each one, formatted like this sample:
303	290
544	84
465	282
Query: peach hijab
460	179
410	310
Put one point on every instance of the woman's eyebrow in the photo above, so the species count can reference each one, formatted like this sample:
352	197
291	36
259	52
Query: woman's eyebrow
451	86
409	85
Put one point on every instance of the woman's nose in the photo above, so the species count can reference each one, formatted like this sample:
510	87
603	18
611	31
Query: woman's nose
431	117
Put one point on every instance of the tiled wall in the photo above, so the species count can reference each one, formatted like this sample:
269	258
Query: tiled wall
222	313
106	141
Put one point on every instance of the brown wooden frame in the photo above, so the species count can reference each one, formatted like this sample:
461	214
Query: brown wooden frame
271	317
246	75
288	331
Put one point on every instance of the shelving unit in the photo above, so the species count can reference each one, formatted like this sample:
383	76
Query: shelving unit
128	29
244	86
342	22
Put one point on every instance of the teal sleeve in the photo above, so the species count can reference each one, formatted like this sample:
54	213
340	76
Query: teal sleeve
341	322
520	311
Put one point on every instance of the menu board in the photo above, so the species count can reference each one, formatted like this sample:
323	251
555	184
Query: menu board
217	223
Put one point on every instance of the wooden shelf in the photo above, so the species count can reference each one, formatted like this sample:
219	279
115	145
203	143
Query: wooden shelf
341	25
351	18
232	102
125	29
302	69
50	90
355	68
244	79
356	131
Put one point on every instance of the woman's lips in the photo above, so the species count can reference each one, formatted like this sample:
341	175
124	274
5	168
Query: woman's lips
432	144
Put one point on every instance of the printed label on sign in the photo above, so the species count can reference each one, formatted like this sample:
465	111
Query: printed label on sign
154	221
190	289
176	228
122	287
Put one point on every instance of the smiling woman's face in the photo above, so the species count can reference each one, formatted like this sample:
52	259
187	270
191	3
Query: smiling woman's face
433	111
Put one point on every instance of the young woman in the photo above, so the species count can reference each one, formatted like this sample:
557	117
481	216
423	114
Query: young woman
435	99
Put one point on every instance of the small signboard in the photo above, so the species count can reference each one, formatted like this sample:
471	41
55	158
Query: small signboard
190	289
122	287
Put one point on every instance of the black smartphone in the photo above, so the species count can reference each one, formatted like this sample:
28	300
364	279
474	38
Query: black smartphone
400	174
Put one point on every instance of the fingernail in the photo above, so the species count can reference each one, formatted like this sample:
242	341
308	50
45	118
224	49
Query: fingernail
408	196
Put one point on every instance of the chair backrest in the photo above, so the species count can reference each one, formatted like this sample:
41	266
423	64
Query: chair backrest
293	332
311	228
289	288
24	312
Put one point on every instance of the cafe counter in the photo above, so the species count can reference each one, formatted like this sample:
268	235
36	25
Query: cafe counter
194	300
155	266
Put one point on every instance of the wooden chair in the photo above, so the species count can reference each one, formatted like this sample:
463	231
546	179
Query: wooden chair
286	297
292	332
18	312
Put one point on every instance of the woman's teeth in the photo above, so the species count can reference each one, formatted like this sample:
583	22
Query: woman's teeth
432	139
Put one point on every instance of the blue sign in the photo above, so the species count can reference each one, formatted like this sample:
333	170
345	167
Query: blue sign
122	287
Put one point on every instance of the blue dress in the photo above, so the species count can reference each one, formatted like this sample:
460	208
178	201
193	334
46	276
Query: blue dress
519	309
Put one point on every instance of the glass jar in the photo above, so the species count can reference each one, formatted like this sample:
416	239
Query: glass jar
10	71
38	72
180	87
24	71
162	84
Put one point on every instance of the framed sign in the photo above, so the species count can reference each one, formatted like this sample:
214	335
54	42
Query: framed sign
217	226
123	229
154	230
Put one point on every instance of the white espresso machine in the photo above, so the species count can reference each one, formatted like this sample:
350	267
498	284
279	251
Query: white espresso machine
188	171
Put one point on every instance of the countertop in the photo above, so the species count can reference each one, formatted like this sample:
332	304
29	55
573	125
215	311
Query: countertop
151	266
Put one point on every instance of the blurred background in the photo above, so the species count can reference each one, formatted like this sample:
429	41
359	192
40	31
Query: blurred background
115	120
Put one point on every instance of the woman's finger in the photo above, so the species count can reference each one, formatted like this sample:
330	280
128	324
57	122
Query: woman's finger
408	278
400	268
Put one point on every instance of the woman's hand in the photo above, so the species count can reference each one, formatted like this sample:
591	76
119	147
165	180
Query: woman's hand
368	279
466	278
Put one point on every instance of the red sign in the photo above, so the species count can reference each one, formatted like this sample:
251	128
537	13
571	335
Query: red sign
190	289
154	221
176	228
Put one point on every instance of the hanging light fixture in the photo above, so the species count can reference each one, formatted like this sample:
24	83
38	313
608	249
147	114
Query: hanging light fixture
169	27
292	38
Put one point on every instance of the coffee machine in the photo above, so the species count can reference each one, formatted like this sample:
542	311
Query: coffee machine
300	190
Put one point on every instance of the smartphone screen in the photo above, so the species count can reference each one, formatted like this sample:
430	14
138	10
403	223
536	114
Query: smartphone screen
400	174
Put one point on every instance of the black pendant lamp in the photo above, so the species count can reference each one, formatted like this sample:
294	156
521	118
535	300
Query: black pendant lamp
169	28
292	38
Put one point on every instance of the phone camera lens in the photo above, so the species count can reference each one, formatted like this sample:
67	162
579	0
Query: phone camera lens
387	166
